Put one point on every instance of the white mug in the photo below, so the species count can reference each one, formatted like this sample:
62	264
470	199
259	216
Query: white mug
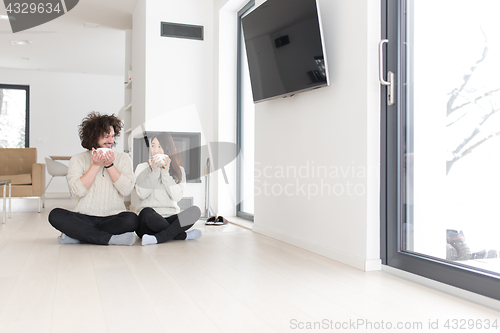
104	150
161	158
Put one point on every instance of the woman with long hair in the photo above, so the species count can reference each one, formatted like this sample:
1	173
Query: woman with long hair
160	184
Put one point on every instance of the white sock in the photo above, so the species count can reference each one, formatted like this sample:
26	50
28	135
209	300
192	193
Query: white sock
149	239
64	239
193	234
127	238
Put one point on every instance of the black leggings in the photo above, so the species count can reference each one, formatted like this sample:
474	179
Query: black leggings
92	229
165	229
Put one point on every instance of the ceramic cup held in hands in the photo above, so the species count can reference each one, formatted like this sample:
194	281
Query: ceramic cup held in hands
161	158
104	151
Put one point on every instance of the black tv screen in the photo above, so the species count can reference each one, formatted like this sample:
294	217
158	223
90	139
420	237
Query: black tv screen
284	47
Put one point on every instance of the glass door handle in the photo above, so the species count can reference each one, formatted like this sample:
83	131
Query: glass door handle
390	75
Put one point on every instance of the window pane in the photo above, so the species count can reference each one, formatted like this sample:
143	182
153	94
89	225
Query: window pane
13	106
246	127
247	136
451	152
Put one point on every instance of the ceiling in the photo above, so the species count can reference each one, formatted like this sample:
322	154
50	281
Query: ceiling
66	45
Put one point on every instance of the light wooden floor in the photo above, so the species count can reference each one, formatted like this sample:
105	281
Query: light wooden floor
230	280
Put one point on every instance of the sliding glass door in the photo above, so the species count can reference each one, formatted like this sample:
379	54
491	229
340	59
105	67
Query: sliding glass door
441	138
246	127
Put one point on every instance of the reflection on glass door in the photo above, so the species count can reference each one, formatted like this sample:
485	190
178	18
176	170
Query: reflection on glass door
246	127
247	138
449	153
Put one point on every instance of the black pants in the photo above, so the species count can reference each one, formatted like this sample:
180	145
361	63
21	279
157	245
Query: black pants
165	229
92	229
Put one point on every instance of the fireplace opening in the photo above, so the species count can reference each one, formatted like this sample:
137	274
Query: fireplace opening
188	145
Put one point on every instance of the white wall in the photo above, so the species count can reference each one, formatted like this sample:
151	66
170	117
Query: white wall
317	153
58	103
139	64
176	91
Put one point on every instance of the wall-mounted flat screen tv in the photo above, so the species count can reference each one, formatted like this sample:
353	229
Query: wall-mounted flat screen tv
285	49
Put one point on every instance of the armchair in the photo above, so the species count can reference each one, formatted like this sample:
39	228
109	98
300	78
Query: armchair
26	175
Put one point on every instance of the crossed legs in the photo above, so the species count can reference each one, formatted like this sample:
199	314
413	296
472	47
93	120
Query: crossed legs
164	229
94	229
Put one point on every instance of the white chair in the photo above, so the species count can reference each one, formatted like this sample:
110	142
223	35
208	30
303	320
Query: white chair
56	169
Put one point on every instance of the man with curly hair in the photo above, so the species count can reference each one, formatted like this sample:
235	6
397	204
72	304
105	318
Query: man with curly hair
100	180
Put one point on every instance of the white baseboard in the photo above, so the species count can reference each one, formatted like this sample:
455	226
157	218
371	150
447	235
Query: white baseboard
359	263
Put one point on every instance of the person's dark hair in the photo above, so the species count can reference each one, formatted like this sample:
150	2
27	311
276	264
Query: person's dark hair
167	143
94	126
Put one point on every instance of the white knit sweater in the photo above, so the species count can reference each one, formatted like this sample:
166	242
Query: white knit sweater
104	197
157	189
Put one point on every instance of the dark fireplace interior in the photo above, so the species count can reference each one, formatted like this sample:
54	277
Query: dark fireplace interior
188	145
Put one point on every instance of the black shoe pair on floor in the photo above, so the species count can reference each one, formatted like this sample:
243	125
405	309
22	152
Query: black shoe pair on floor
216	220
